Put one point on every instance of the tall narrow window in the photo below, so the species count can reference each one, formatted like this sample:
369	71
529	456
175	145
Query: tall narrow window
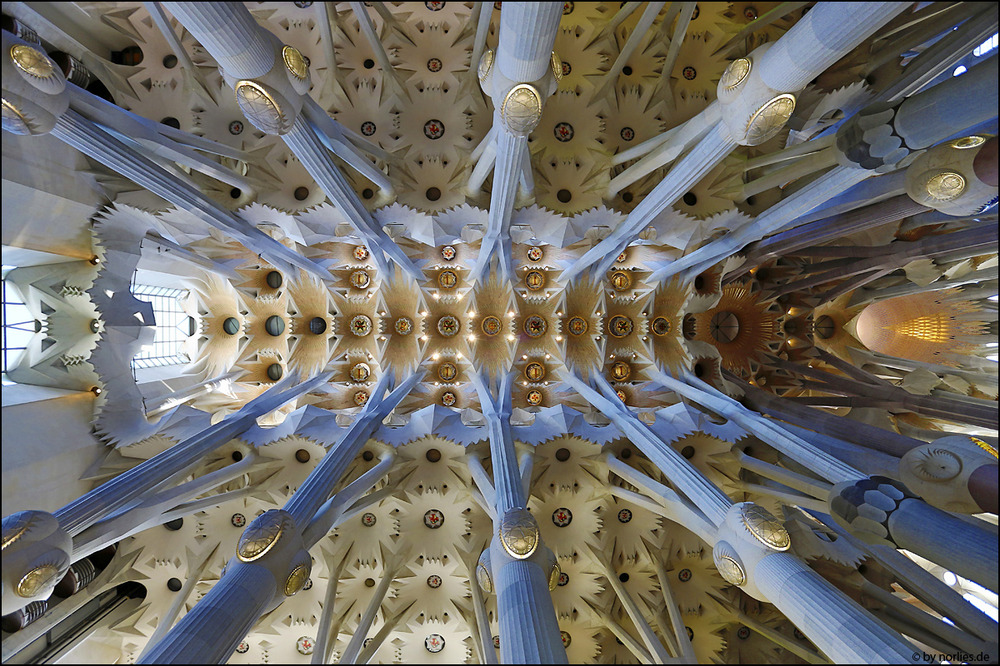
18	325
173	327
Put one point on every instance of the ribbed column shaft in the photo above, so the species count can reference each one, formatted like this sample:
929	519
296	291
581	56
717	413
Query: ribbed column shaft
702	492
943	539
318	486
210	632
511	152
773	219
101	501
689	170
230	33
77	131
956	104
794	447
527	34
838	626
305	144
820	38
836	226
529	631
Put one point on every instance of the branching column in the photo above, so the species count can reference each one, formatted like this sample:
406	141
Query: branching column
272	561
39	557
517	565
272	83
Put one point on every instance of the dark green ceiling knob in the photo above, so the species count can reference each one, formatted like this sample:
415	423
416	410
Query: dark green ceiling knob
317	325
274	372
274	325
231	326
274	279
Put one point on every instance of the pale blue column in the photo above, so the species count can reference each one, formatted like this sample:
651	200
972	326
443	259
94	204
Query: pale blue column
529	630
82	134
111	495
268	574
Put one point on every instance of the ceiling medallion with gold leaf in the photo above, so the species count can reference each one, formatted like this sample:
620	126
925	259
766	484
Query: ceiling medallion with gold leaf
295	62
448	399
621	280
448	326
534	397
620	371
620	326
403	326
535	253
360	398
360	253
491	325
534	371
764	527
361	325
447	279
361	372
661	326
577	326
447	372
360	279
534	280
535	326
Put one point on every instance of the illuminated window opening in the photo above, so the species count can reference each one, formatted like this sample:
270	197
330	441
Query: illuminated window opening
173	327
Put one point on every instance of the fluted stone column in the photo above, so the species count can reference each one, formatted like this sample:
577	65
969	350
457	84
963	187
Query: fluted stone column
41	104
272	91
519	76
527	33
235	603
38	557
516	565
273	550
843	630
757	94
